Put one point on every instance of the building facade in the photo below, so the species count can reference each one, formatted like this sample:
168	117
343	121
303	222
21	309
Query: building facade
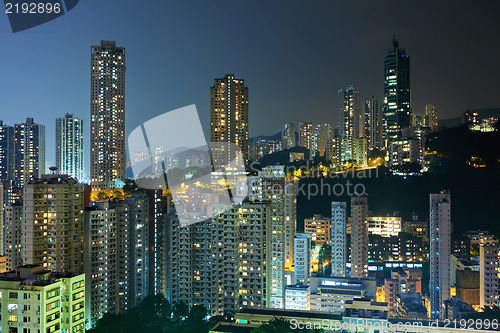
107	115
489	274
288	136
339	238
7	152
34	299
53	223
440	251
431	111
320	229
373	124
302	258
359	237
229	118
70	146
397	101
400	283
384	226
29	146
305	131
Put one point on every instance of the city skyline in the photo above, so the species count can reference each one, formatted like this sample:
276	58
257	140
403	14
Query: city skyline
336	188
70	79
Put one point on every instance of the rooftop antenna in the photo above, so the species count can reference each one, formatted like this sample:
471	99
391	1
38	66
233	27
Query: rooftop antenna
53	170
395	41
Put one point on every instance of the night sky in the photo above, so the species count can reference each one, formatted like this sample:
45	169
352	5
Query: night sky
293	55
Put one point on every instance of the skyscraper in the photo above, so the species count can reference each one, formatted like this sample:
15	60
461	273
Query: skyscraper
351	117
338	240
359	237
288	136
274	186
12	234
69	146
6	152
107	259
52	224
29	151
373	124
302	258
229	118
222	263
6	199
107	115
431	111
305	130
244	258
440	251
397	101
320	136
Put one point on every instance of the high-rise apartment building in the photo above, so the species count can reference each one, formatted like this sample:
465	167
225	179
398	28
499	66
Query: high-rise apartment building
53	223
288	136
6	152
320	136
373	124
29	143
221	263
139	248
158	211
431	111
351	117
12	233
339	238
190	264
228	118
273	185
107	115
397	101
359	237
440	251
6	199
305	131
302	258
489	274
244	267
69	146
420	120
34	299
116	255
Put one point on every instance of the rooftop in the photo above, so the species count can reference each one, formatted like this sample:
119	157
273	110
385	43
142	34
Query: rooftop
290	313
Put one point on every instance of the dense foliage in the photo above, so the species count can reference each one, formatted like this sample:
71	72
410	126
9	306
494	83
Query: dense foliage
281	325
156	314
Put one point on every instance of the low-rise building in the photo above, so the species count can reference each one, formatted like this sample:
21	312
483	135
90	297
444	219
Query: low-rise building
410	305
330	294
399	284
297	297
457	309
34	299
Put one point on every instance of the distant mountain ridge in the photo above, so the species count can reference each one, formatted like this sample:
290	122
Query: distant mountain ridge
274	137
